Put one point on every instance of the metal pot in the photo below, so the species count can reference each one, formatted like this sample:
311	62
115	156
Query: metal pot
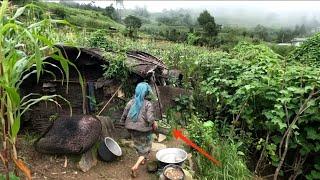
168	156
175	167
109	150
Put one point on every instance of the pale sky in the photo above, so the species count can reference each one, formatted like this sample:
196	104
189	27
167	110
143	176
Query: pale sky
271	6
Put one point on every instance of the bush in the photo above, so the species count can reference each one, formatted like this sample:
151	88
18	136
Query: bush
59	12
282	50
308	52
225	150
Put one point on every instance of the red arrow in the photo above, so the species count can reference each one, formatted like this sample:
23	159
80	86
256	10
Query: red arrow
178	134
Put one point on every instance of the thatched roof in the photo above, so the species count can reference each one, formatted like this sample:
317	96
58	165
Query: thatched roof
139	62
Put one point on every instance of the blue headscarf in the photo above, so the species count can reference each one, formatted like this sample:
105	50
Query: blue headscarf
142	90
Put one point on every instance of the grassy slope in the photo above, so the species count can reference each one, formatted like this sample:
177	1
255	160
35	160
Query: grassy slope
81	17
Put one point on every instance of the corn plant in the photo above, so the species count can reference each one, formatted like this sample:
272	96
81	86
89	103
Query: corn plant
24	45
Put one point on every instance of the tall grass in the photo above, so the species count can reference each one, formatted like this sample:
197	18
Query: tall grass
224	149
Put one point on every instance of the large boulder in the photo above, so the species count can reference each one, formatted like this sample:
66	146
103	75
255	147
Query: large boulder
73	135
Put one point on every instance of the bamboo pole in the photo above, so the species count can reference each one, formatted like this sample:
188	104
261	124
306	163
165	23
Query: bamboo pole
157	93
109	100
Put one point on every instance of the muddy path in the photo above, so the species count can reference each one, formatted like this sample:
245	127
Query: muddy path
53	167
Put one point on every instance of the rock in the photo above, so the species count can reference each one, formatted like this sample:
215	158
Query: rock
188	175
152	166
161	177
161	138
191	165
107	126
126	143
157	146
154	137
88	160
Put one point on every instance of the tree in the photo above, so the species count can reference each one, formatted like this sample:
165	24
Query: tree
111	12
285	35
132	23
261	32
141	11
206	21
300	30
187	20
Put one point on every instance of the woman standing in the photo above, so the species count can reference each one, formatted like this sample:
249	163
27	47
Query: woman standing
139	119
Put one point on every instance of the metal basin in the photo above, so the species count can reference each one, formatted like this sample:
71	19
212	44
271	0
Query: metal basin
173	167
171	156
109	150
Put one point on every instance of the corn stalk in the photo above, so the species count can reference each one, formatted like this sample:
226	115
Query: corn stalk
23	48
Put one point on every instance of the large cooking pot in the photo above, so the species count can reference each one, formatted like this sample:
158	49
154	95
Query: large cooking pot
171	156
109	150
175	168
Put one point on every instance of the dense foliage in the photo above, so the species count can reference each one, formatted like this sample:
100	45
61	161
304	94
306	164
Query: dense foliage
268	102
206	21
309	52
132	24
255	105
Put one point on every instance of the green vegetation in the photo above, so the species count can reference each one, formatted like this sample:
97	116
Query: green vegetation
254	104
133	24
206	21
22	52
225	149
266	103
80	17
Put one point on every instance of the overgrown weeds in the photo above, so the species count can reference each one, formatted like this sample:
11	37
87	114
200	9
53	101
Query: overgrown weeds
224	149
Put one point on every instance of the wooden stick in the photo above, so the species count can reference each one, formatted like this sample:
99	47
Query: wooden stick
84	95
157	93
109	100
70	81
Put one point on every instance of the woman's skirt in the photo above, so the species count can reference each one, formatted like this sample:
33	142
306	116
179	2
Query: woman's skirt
142	141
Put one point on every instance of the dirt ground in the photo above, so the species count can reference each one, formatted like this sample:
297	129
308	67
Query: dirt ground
52	167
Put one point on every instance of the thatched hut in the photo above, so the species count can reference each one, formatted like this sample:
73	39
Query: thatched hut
97	89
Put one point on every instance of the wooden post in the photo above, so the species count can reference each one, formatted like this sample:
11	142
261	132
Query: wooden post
84	96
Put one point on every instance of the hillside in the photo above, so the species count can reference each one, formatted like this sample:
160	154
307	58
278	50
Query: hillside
80	17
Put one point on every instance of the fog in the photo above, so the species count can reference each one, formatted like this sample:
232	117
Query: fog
237	13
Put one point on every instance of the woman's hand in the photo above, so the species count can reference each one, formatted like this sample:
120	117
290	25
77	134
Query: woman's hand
155	125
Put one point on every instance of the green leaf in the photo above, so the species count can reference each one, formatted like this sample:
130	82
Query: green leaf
208	124
312	134
13	95
15	127
240	153
18	12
